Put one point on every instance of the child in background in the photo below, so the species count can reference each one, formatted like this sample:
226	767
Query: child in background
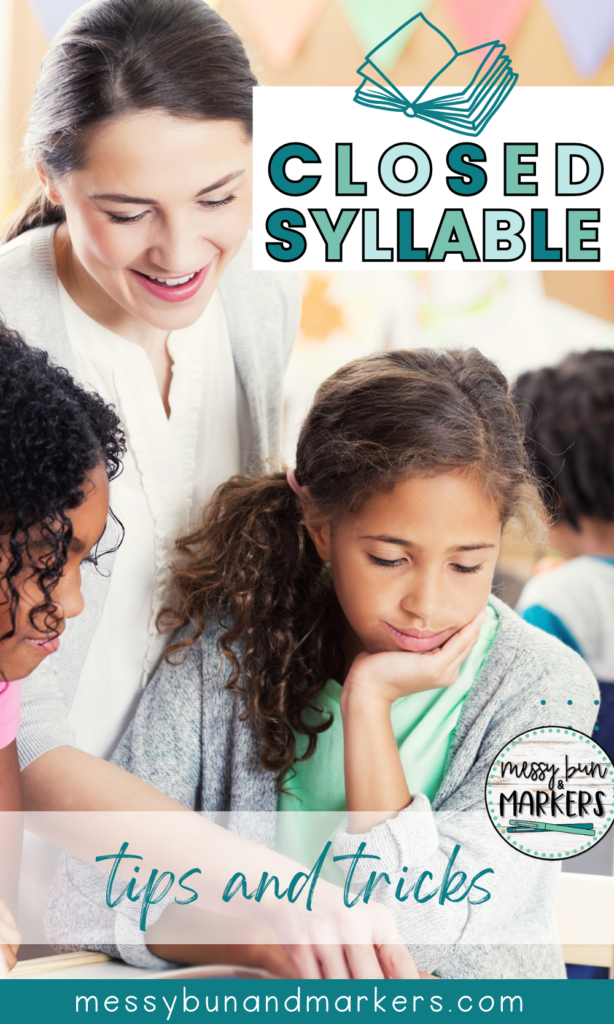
338	650
569	414
59	447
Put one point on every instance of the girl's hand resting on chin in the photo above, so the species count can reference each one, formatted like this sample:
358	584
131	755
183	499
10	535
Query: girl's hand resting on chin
393	674
373	684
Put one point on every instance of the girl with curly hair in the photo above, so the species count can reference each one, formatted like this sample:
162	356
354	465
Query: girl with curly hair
59	447
337	649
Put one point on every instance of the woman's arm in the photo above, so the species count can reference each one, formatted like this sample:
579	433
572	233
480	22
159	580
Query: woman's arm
323	944
163	750
197	937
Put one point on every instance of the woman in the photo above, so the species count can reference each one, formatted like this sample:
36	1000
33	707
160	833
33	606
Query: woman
129	267
140	134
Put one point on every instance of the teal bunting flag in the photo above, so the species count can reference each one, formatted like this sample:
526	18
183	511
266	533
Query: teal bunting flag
372	21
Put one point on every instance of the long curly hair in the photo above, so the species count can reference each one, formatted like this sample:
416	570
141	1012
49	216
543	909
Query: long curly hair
251	564
569	415
52	433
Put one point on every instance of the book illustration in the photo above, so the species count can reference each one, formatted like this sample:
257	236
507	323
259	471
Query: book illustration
466	111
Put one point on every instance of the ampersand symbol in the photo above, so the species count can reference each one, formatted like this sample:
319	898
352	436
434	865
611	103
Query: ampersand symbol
560	784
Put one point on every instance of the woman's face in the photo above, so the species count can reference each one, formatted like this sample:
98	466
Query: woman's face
415	564
23	652
161	207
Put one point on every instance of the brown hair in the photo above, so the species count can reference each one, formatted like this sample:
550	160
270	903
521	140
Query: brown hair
252	565
113	57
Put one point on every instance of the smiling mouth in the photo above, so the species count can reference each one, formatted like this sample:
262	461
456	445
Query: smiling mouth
172	289
46	644
170	282
416	641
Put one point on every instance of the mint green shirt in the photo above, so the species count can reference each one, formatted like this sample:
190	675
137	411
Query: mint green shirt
423	726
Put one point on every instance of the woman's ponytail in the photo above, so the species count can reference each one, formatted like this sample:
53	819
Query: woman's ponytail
35	212
252	566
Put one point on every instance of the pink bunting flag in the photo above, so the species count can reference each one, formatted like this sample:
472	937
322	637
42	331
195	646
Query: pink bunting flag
586	28
482	21
281	26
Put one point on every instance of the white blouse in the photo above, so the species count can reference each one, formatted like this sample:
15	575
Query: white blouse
171	468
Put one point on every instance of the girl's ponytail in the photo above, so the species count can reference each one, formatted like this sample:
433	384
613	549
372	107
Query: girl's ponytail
252	566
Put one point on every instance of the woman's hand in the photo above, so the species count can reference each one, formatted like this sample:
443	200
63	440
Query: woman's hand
393	674
335	941
189	935
9	939
329	941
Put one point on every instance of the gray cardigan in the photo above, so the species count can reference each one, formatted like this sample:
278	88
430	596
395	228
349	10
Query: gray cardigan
262	311
188	739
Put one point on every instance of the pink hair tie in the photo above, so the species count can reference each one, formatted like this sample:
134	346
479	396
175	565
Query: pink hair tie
294	484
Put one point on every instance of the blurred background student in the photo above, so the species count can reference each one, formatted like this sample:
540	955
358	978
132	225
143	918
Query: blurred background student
569	412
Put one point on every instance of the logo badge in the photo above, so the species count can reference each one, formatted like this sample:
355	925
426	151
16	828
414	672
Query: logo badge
550	793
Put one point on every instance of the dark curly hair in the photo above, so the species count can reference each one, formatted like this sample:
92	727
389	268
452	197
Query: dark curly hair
52	433
569	415
252	565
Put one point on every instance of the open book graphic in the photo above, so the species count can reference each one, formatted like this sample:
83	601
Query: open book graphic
466	111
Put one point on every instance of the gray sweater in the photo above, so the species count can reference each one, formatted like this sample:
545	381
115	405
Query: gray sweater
262	311
188	739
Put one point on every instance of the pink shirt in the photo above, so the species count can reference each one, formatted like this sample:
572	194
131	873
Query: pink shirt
10	711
